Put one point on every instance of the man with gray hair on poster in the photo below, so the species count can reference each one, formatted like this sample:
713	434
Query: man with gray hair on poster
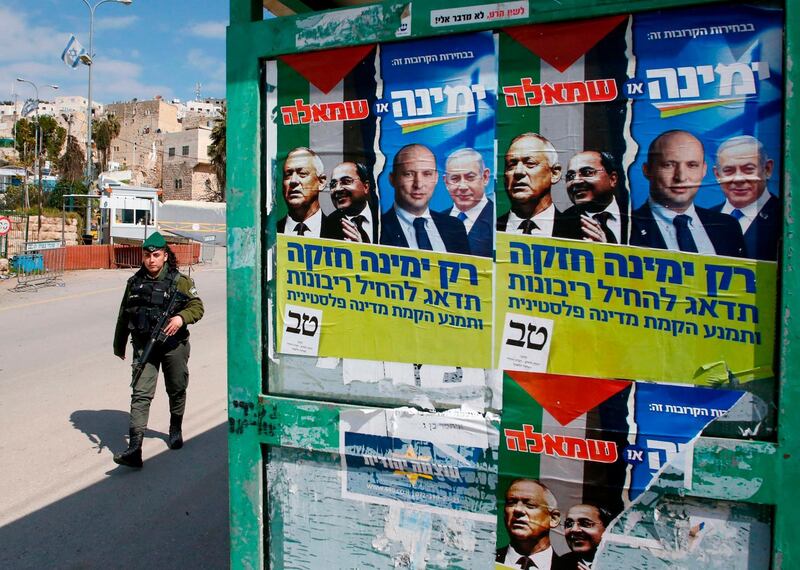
530	512
303	179
742	170
466	178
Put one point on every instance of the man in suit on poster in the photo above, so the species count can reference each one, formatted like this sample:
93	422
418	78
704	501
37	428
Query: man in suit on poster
669	219
593	181
303	180
530	511
466	178
742	170
410	222
531	170
584	527
352	193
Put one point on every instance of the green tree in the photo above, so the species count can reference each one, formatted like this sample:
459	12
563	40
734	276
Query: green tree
52	140
53	137
66	187
25	141
103	132
218	153
72	163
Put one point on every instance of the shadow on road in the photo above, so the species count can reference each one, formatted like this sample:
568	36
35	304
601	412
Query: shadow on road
171	514
107	429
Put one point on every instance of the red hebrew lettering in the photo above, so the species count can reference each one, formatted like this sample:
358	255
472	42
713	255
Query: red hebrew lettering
553	94
320	113
602	90
576	92
290	115
515	95
554	445
535	442
357	110
603	451
515	440
577	448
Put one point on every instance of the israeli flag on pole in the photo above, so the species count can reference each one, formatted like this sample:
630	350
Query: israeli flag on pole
75	53
29	107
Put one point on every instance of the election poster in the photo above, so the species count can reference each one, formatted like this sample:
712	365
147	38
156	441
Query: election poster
577	452
653	140
382	199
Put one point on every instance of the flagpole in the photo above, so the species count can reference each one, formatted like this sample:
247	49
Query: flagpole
89	165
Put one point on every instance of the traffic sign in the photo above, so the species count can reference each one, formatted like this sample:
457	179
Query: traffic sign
5	225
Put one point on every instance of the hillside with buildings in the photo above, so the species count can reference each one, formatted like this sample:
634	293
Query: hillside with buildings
164	144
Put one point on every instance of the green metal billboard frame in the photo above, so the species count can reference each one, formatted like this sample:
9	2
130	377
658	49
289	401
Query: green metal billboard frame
723	469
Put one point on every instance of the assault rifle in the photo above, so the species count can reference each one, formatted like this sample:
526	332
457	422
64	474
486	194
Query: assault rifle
157	334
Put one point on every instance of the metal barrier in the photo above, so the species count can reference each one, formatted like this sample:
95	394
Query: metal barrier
127	255
13	241
41	265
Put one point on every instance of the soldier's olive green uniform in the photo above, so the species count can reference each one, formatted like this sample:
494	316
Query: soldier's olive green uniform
140	304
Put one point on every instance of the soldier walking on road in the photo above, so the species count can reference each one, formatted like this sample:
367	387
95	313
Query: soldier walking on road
147	295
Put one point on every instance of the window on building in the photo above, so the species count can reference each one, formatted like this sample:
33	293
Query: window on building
126	216
178	184
185	150
172	151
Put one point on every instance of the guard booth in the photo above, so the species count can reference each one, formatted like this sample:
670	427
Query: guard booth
512	282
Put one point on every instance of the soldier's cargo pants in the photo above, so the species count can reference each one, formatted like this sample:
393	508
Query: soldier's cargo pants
175	364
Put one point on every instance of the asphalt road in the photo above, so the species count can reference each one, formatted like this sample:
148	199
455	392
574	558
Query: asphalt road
64	401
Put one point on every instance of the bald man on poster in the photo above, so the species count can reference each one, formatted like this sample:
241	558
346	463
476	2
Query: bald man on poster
410	222
670	219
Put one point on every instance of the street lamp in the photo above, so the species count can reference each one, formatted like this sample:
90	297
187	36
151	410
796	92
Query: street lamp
38	145
92	8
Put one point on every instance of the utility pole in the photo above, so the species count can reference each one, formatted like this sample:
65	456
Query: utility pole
38	148
89	165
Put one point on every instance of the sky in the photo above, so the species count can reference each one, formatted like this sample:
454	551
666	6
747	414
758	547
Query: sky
148	48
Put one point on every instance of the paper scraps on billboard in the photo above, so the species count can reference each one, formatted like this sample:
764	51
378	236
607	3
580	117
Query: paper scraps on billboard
432	462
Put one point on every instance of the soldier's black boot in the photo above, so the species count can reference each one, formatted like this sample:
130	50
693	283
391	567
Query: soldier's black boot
175	436
132	457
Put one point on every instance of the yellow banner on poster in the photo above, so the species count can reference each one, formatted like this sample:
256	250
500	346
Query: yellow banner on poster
371	302
641	314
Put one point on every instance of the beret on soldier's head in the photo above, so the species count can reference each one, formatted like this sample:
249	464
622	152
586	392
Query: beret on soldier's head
154	241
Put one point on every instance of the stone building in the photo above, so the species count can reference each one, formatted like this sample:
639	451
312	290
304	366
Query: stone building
140	144
187	170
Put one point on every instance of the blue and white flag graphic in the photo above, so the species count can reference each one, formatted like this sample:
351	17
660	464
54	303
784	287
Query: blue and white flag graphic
29	107
75	53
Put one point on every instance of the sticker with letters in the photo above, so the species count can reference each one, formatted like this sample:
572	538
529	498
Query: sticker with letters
526	343
301	331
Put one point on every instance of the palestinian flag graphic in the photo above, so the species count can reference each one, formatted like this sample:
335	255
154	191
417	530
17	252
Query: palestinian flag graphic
594	441
564	81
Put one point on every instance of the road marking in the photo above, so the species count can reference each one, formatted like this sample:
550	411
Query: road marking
75	296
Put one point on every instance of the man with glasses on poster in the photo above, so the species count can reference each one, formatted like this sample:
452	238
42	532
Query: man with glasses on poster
530	511
593	180
584	527
353	196
410	222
